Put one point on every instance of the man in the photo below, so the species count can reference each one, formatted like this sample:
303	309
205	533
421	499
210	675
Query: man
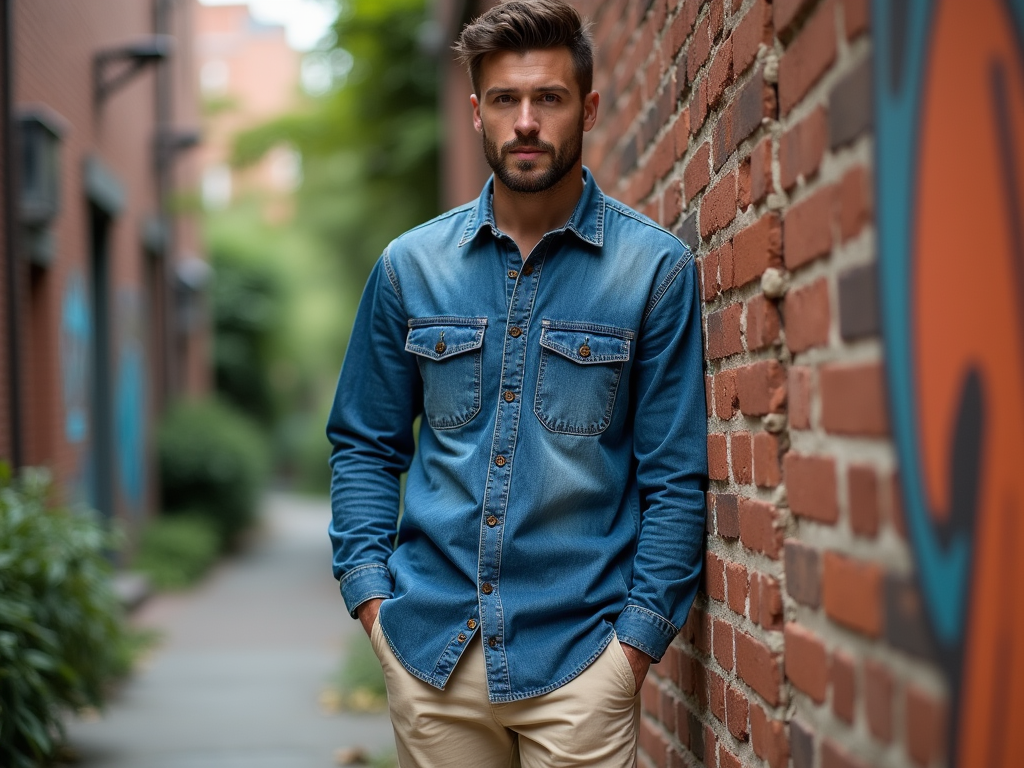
550	541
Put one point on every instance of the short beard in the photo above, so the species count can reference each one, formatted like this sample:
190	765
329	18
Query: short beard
513	173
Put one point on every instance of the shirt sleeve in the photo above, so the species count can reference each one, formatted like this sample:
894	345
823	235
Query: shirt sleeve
670	447
379	394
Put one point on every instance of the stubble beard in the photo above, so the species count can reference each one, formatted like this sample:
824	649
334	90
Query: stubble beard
515	174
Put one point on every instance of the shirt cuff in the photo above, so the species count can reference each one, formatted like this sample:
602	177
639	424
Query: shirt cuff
365	583
645	630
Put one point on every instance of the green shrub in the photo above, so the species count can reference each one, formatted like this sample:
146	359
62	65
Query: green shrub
176	551
213	462
62	636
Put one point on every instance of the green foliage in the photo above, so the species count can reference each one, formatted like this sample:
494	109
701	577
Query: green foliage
213	463
61	632
359	683
176	551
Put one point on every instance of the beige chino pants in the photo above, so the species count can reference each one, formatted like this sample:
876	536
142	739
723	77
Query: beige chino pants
590	721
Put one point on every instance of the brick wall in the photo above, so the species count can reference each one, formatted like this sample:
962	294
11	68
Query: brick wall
745	127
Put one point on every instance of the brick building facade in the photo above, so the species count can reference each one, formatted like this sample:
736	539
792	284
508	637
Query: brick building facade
857	605
106	321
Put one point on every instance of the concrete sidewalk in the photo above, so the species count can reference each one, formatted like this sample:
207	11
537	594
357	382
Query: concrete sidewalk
244	658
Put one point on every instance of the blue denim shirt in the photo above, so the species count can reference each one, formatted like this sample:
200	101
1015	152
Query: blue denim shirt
555	499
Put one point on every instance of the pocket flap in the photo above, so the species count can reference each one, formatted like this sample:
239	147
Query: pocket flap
586	343
439	338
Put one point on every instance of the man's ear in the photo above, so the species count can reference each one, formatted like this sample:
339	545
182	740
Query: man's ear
590	102
478	122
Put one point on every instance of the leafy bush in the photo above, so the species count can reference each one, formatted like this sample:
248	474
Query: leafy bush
176	551
62	637
213	462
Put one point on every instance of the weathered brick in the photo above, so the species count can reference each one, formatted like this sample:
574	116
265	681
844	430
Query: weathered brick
718	458
835	756
741	457
859	314
726	399
855	17
724	335
806	316
906	627
763	323
697	173
736	588
769	738
727	759
801	742
852	593
716	695
807	229
720	73
678	31
714	576
853	202
850	107
761	183
721	143
718	207
759	527
700	48
707	394
853	400
786	11
672	201
687	231
709	285
698	106
727	516
862	486
806	661
800	388
808	56
811	483
753	102
761	388
759	667
802	147
803	573
767	466
653	742
878	693
710	745
716	17
769	603
681	130
753	31
756	248
736	709
721	641
842	679
725	265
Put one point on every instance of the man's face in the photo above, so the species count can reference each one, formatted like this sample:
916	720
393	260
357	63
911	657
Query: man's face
531	116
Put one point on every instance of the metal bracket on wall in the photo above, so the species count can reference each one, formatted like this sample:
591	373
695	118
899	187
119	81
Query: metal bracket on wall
114	67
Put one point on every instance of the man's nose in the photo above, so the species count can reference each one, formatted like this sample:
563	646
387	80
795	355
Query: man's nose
526	119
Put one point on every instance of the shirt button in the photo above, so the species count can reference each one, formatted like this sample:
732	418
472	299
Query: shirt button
440	347
509	395
513	274
528	270
471	623
493	642
584	351
462	637
487	588
500	461
491	521
515	331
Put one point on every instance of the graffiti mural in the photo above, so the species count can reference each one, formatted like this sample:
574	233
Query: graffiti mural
75	350
130	406
949	106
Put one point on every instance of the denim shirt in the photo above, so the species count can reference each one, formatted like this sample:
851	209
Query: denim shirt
554	501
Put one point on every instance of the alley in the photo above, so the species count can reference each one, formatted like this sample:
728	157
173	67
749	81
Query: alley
243	659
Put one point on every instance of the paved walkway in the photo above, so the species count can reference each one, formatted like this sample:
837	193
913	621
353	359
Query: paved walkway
235	682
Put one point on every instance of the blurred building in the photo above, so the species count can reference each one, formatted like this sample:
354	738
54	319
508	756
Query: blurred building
248	75
102	290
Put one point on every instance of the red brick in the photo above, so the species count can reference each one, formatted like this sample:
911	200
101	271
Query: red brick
741	458
834	756
721	641
736	710
769	738
679	30
718	458
807	231
757	248
707	394
806	661
714	576
667	710
743	185
650	697
754	30
803	573
862	483
842	677
767	468
855	17
878	693
727	516
718	207
700	47
698	106
811	484
724	335
853	400
763	323
709	287
716	17
895	497
787	10
761	388
727	759
853	202
761	171
725	265
758	666
697	172
726	399
701	634
926	727
759	527
716	695
682	133
672	201
653	742
808	56
769	603
807	316
736	583
852	593
720	73
751	104
800	389
710	746
802	147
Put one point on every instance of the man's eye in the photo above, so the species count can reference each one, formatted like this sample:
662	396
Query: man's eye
504	99
550	98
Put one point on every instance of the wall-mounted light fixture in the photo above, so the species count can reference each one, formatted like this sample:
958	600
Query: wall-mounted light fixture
114	67
39	136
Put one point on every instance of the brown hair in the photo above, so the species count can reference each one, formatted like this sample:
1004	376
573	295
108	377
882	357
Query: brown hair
527	25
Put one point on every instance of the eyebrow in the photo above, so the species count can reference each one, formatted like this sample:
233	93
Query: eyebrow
541	89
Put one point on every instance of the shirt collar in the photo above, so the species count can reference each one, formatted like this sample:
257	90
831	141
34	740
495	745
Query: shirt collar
586	222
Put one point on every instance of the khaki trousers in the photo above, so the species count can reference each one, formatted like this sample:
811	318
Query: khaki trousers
590	721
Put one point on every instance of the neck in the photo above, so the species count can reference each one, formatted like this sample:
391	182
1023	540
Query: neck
527	216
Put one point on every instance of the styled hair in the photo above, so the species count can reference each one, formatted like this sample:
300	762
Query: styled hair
528	25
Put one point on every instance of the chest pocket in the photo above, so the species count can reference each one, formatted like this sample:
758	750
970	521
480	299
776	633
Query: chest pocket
580	368
448	351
